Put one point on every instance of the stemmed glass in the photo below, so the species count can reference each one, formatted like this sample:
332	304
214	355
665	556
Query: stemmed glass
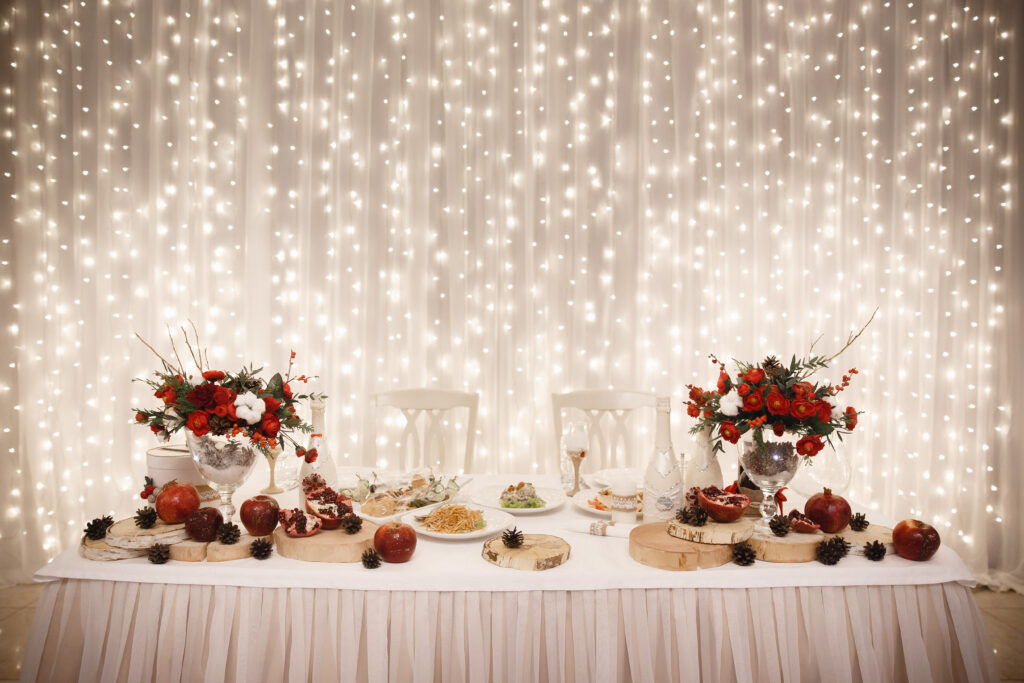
575	443
770	465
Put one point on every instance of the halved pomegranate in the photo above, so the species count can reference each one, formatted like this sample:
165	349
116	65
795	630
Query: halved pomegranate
313	482
801	523
329	505
721	505
297	523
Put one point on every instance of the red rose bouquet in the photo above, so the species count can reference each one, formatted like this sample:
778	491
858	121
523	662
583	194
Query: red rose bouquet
219	403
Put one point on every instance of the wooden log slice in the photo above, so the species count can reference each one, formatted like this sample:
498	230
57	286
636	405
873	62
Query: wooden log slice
792	547
326	546
538	552
101	551
218	552
650	544
125	534
188	551
717	533
874	532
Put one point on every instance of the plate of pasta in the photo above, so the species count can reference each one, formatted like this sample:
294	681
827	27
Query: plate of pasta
454	522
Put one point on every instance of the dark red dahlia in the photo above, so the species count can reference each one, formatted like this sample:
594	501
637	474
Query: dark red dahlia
202	396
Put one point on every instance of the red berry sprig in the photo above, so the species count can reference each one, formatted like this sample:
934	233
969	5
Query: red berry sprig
148	489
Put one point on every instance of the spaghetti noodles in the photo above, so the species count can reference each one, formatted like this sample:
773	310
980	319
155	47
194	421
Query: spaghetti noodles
454	519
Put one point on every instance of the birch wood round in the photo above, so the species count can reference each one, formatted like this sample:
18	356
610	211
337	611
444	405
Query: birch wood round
335	545
874	532
101	551
218	552
715	533
538	552
188	551
650	544
793	547
125	534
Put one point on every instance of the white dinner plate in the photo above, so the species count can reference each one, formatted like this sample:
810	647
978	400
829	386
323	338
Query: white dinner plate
584	495
358	507
491	497
496	520
606	477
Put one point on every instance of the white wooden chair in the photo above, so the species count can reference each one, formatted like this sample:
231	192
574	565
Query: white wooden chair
617	448
430	450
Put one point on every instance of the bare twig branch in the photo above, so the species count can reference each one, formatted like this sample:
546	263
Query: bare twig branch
203	353
853	337
192	351
810	350
150	347
170	336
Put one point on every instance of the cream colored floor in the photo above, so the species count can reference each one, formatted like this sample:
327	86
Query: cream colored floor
1003	614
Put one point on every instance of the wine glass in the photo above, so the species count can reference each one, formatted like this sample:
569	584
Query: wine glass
575	443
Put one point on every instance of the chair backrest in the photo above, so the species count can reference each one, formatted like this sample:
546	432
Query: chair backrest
430	450
595	405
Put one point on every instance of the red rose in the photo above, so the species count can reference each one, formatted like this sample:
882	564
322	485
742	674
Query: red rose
270	424
743	389
139	417
754	401
777	403
801	409
729	432
300	451
803	390
202	396
778	428
213	375
271	404
851	417
287	391
723	382
809	445
221	411
754	375
223	396
198	423
167	394
231	412
692	410
824	411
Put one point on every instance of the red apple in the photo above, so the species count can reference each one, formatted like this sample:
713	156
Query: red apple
259	515
176	501
202	525
395	542
915	540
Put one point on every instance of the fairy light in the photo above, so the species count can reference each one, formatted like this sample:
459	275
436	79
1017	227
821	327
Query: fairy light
511	198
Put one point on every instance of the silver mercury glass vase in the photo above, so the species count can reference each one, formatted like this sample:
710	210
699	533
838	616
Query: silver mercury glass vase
225	462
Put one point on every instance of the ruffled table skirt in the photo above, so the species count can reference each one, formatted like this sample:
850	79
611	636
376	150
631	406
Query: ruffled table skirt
92	630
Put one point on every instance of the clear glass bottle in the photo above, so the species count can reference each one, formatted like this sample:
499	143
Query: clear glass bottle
663	481
324	463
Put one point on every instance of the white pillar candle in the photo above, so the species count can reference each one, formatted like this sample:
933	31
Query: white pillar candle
624	486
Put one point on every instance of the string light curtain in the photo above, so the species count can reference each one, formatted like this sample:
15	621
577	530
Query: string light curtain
515	198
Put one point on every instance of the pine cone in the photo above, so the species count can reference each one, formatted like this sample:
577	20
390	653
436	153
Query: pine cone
874	550
220	425
859	522
261	549
743	554
97	528
771	366
159	553
145	518
842	545
831	550
779	525
228	533
351	523
694	515
371	558
512	538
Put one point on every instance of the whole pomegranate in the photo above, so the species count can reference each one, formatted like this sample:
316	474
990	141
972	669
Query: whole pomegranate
829	511
176	502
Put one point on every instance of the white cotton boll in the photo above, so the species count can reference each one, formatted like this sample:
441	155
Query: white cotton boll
837	405
249	407
730	404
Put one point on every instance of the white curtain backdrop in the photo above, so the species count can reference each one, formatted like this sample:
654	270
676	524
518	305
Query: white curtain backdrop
515	198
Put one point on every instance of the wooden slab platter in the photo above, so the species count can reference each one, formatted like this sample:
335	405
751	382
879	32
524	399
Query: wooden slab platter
874	532
650	544
792	547
102	551
716	533
218	552
538	552
188	551
125	534
326	546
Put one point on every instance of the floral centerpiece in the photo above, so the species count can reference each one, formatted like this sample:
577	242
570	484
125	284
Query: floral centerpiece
770	399
227	416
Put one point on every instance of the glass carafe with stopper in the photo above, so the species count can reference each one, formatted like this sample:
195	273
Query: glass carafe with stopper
324	462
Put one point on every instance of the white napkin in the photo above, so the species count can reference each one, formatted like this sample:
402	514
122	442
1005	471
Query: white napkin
601	528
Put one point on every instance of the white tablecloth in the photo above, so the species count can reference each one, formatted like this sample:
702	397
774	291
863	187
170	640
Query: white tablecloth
449	615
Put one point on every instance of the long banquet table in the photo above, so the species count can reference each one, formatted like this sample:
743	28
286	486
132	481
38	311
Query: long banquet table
449	615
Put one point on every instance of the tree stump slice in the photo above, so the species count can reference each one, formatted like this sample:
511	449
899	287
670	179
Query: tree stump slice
188	551
874	532
218	552
650	544
538	552
792	547
714	533
101	551
335	545
125	534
